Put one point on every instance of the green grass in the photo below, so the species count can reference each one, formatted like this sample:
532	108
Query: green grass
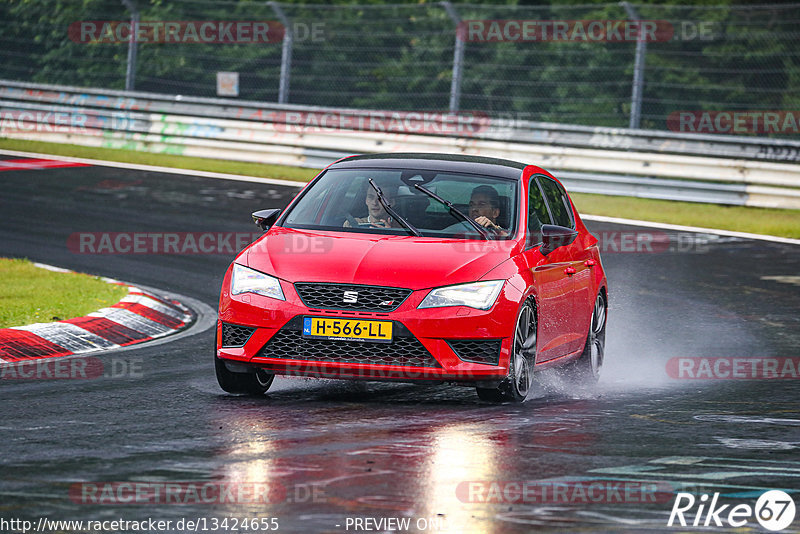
261	170
30	294
777	222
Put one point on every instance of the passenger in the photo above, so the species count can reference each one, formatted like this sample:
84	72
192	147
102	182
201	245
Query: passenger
376	215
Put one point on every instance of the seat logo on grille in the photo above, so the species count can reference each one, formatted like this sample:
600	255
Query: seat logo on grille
350	297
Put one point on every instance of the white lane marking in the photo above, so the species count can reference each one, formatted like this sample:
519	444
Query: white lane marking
757	444
133	321
153	304
154	168
23	165
694	229
72	337
51	268
723	418
62	270
608	517
795	280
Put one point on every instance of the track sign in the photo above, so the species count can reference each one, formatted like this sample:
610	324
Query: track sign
227	83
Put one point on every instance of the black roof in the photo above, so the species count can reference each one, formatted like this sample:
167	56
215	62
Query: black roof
435	162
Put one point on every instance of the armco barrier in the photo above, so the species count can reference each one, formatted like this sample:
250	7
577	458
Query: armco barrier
704	168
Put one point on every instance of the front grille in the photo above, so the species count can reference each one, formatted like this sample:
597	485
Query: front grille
235	335
369	298
477	350
289	343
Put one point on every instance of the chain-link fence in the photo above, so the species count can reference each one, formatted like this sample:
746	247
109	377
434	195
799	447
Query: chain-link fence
580	64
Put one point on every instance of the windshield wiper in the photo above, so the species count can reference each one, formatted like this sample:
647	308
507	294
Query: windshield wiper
454	211
391	211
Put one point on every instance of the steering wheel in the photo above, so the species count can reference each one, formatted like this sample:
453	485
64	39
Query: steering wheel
352	220
355	224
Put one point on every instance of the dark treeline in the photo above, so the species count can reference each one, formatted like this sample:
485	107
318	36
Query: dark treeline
718	56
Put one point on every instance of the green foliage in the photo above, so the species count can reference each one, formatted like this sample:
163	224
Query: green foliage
399	56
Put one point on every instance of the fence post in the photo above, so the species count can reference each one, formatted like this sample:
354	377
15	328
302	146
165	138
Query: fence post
458	59
286	53
130	69
638	70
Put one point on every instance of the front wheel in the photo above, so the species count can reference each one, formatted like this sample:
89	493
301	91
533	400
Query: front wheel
517	384
254	383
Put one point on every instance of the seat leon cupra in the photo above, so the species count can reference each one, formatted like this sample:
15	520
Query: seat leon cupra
417	267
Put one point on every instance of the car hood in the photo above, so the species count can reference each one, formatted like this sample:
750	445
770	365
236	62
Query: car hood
371	259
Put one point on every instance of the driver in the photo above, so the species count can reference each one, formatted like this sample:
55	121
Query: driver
376	215
484	208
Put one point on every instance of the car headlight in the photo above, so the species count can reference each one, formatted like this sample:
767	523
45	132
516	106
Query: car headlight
480	295
245	280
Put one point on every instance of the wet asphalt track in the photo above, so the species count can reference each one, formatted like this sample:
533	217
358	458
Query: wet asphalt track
385	450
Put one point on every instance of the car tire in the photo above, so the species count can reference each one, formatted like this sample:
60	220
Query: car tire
586	369
516	386
256	383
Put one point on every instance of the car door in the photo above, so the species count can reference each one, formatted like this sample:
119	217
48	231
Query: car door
576	256
551	280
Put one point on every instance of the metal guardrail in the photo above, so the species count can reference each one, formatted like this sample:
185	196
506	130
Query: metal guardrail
643	163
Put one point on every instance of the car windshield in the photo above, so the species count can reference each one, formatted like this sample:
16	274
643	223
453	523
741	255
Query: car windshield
354	200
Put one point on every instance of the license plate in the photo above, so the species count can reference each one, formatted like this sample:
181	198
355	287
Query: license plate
349	329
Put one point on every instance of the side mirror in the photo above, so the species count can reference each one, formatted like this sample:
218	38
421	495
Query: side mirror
265	218
554	236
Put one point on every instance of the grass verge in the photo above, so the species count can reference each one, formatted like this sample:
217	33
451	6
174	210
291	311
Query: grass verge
777	222
261	170
30	294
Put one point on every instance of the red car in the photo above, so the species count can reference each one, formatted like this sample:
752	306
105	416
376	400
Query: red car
417	267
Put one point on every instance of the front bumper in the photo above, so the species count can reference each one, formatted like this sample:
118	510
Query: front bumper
426	346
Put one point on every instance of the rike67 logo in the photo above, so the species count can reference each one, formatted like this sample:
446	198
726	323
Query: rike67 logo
774	510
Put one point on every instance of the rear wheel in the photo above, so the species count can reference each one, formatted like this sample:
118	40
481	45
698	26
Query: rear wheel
517	384
587	368
251	383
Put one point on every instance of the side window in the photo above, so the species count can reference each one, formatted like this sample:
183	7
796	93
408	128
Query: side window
557	200
310	208
537	213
